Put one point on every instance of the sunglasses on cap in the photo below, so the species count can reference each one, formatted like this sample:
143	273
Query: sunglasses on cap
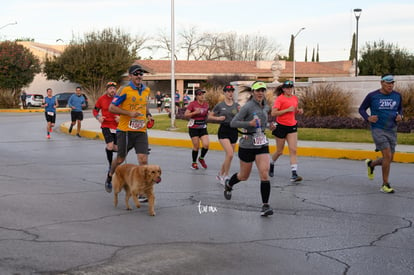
111	84
137	73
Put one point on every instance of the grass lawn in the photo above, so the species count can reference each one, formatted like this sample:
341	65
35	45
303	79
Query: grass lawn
163	122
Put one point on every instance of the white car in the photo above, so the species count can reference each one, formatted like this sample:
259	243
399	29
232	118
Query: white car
34	100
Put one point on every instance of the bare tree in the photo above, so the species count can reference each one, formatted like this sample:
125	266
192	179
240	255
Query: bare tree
191	42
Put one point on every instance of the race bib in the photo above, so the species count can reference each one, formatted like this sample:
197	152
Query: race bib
50	113
136	124
113	131
259	139
190	123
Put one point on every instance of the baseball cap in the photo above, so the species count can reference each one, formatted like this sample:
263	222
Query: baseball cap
388	78
199	92
135	68
228	88
287	84
259	85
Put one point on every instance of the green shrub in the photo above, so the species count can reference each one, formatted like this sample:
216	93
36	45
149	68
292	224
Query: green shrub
407	93
325	100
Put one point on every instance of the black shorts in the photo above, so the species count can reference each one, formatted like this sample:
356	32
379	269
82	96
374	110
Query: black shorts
197	132
136	140
50	118
228	132
108	135
249	155
76	116
282	131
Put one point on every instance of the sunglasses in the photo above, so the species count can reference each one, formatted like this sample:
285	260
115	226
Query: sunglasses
261	90
137	73
111	84
288	82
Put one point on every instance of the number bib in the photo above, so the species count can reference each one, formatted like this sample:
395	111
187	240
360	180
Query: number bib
190	123
259	139
51	113
136	124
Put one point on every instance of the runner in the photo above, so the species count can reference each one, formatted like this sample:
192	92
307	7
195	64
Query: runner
108	120
253	145
224	112
197	112
285	108
131	103
50	103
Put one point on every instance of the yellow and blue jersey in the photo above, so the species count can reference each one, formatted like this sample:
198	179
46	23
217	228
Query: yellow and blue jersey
132	98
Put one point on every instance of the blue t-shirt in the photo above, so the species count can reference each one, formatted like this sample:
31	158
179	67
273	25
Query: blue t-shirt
76	101
385	106
50	101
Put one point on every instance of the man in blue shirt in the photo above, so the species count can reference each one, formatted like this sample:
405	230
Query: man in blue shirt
385	111
50	103
76	102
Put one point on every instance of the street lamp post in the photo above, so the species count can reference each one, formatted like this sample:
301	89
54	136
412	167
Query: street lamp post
8	24
294	63
357	13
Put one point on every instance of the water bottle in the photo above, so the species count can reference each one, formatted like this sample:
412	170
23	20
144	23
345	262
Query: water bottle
258	127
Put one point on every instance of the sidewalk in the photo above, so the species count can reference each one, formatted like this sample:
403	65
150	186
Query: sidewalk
337	150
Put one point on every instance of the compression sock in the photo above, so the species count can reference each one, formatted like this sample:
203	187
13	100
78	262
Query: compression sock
265	190
203	152
233	180
194	155
109	155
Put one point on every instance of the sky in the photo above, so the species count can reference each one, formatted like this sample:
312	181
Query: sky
328	23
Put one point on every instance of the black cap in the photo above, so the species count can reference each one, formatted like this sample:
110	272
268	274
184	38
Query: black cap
199	92
135	68
228	88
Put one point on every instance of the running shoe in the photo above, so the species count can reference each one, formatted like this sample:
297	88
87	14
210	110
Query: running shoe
271	170
70	128
227	190
194	166
48	136
386	188
78	135
142	199
108	184
266	210
295	177
202	162
370	169
220	178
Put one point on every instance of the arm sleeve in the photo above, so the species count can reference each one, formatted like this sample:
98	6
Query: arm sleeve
364	106
238	119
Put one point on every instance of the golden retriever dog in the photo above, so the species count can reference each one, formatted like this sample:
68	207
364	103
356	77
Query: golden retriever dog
136	180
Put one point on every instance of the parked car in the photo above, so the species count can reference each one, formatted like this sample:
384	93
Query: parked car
34	100
63	99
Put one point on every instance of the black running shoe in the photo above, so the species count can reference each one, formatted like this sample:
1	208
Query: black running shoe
266	210
227	190
295	177
108	184
271	170
70	128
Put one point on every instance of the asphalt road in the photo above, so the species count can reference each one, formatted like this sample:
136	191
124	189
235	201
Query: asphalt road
56	218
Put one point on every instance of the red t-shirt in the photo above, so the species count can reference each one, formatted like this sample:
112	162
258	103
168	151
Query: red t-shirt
102	104
283	102
200	120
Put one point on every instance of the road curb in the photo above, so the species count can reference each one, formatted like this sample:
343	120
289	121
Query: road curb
335	153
